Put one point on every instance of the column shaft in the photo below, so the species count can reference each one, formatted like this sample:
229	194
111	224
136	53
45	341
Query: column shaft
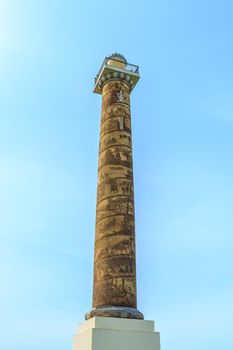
114	262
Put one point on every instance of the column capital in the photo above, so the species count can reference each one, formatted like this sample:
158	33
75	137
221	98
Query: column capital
116	67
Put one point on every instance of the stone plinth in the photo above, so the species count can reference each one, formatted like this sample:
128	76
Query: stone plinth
105	333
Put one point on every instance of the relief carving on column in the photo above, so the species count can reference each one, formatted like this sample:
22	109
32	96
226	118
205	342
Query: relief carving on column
115	138
115	273
108	292
120	156
120	225
113	172
114	246
113	187
114	206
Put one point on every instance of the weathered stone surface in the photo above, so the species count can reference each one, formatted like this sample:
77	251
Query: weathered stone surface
115	311
114	263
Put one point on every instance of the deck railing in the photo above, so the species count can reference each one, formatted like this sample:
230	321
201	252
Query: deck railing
112	62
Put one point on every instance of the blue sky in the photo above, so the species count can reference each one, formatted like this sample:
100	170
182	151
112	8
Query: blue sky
182	113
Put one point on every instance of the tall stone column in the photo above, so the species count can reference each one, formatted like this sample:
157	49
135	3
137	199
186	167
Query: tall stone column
114	287
114	321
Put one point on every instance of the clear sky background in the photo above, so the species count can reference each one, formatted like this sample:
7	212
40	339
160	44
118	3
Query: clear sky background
182	114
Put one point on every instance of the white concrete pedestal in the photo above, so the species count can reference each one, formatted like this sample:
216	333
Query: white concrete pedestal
105	333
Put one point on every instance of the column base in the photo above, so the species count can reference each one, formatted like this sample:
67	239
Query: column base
115	311
104	333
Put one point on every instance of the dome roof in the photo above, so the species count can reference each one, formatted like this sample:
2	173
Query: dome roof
119	57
